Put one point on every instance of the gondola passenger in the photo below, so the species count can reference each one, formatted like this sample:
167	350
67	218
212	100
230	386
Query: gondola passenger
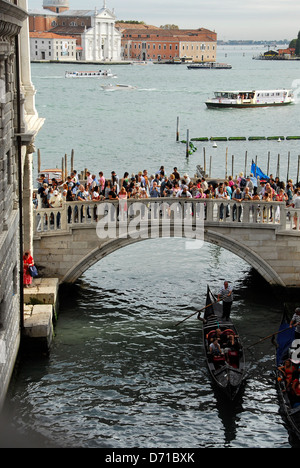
296	391
215	348
287	370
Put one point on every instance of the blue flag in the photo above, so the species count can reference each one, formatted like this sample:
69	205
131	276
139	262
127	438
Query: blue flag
257	172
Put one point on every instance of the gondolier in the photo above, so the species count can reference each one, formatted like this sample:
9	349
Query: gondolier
296	320
226	295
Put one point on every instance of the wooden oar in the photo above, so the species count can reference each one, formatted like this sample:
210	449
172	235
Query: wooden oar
271	336
198	312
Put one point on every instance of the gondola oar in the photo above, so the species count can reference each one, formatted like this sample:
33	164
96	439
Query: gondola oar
271	336
198	312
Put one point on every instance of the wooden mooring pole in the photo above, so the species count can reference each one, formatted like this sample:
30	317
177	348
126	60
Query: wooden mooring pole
246	157
39	161
278	166
268	167
177	130
187	143
72	160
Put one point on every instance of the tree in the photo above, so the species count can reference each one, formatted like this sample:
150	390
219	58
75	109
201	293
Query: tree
297	49
292	44
169	26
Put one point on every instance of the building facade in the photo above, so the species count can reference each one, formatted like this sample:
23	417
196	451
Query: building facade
19	124
49	46
146	43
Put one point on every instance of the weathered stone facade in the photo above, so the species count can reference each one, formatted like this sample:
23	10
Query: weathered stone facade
18	127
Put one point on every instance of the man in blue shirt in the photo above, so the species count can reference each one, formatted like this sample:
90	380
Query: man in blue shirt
155	191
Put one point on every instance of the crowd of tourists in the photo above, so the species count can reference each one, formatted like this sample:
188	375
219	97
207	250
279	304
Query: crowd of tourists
52	193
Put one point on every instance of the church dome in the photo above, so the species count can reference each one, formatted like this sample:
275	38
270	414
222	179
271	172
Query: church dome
56	3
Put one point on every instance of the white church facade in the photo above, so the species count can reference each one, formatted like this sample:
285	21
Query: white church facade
102	41
94	30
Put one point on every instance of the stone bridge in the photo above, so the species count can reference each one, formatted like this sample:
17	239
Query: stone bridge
70	239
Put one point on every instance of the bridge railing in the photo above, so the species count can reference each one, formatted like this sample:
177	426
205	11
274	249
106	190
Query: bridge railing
213	211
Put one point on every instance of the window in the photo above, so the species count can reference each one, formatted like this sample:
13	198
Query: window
8	168
15	280
6	76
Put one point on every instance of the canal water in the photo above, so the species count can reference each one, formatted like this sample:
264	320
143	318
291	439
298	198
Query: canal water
122	373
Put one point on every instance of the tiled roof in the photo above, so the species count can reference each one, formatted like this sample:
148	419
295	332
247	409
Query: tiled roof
36	12
68	30
48	35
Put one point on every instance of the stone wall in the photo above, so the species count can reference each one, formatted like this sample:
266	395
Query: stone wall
11	20
19	124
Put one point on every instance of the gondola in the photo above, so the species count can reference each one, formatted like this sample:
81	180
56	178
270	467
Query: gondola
287	348
228	370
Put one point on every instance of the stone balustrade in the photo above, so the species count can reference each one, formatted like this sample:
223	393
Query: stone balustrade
212	211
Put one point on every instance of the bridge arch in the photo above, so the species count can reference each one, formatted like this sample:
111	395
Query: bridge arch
210	236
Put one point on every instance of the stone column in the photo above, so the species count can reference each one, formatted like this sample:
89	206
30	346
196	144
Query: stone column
28	88
27	203
100	33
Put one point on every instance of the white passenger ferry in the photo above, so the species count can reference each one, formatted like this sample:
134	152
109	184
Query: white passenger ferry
90	74
244	99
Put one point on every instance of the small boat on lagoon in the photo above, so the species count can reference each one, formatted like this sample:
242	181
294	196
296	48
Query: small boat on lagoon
141	62
90	74
227	371
116	87
287	348
246	99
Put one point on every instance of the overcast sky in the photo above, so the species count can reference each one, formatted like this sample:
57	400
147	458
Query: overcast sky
231	19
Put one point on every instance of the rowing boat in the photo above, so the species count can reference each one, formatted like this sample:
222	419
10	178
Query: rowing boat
287	348
227	370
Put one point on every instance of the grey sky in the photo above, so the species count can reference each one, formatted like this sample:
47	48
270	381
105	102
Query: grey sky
231	19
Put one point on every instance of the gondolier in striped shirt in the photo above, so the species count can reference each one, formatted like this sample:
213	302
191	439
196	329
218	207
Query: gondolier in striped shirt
296	320
226	295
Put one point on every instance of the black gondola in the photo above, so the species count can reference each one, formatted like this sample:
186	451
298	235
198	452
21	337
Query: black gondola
227	370
288	348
